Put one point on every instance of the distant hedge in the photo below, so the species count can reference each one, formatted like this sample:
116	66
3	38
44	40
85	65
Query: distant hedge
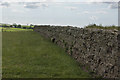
17	26
102	27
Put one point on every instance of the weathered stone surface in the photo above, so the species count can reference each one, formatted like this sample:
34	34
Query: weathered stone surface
97	49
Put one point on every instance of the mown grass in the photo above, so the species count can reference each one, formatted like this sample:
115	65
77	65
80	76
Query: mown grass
28	55
0	29
14	29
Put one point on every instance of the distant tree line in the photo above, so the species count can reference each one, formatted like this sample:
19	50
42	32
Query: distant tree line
102	27
31	26
18	26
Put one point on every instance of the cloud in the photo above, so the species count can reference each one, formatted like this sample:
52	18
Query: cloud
5	4
94	12
23	0
44	5
28	0
94	18
101	12
114	6
102	0
17	11
71	8
86	12
59	0
33	5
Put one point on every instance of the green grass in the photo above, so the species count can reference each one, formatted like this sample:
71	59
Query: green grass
26	26
0	29
14	29
28	55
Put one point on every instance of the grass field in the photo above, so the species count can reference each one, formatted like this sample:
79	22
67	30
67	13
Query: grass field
14	29
28	55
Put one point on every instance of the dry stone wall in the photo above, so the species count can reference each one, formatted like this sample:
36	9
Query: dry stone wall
96	49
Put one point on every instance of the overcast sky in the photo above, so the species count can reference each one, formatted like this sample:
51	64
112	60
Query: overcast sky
59	12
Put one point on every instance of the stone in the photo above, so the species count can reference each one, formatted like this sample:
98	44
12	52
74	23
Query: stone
97	48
